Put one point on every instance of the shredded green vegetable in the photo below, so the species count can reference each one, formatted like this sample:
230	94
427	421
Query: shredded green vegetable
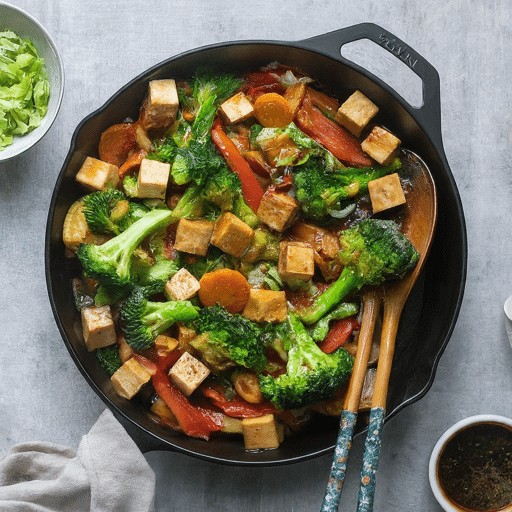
24	87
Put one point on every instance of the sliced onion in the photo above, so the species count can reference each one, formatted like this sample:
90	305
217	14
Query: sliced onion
340	214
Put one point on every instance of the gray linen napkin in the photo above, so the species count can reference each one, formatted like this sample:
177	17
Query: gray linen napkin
107	473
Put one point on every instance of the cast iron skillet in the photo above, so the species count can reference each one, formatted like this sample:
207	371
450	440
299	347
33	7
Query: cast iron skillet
432	310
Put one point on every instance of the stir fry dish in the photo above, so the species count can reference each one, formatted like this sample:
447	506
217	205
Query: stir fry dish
223	238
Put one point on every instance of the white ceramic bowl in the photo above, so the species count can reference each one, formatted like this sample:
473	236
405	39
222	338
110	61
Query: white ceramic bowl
24	25
432	470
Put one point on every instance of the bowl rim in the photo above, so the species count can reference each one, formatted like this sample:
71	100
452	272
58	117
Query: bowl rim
42	129
443	440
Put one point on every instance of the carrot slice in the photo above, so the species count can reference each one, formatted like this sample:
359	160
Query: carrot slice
226	287
132	163
117	142
272	110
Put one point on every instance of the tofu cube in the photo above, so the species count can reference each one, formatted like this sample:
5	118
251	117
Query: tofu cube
261	432
128	380
193	236
98	327
182	286
278	210
356	113
296	261
125	351
188	373
185	335
231	234
153	179
165	344
97	175
236	109
386	192
266	306
162	104
381	145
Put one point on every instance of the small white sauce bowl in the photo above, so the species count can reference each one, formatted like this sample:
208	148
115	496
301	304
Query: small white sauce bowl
438	448
24	25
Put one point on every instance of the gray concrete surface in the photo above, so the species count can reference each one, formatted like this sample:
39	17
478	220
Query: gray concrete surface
104	44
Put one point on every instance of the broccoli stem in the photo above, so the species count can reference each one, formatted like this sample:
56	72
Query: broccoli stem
348	281
160	316
122	246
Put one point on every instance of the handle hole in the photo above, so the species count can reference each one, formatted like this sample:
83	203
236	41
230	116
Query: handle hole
387	67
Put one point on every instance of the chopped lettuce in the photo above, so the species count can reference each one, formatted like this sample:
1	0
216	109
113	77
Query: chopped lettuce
24	87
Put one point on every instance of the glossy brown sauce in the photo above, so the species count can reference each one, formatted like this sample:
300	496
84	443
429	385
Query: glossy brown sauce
475	468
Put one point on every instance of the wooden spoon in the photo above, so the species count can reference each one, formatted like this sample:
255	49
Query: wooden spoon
418	225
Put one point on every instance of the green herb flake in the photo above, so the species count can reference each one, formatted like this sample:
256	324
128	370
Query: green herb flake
24	87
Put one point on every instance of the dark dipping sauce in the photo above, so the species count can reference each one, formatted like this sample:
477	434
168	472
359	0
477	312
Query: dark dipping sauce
475	468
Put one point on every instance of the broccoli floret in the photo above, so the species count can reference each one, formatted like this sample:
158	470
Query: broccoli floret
372	251
210	89
110	212
151	268
110	263
214	189
143	320
200	265
130	186
109	358
311	375
322	193
264	246
186	148
230	338
309	147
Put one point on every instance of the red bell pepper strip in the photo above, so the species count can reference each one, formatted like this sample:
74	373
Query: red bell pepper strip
343	145
251	188
339	333
237	408
195	421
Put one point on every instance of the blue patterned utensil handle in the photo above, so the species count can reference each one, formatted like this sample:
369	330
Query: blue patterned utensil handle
339	462
371	460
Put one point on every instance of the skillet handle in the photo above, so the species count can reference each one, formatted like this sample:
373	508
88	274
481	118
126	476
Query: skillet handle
429	114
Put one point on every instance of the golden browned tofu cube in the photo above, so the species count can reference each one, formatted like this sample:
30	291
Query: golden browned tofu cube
128	380
236	109
322	240
356	113
182	286
188	373
153	178
98	327
97	175
381	145
278	210
162	104
231	234
296	261
261	432
185	334
266	306
165	343
125	351
386	192
193	236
